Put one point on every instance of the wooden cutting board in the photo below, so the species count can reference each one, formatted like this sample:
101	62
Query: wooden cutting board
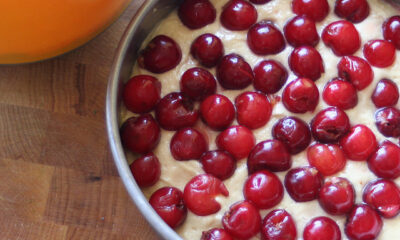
57	177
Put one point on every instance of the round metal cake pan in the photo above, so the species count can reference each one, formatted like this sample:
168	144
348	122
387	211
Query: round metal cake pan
148	16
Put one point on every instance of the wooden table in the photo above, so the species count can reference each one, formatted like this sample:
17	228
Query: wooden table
57	177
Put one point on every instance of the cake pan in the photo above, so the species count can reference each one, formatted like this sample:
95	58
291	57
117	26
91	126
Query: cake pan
143	22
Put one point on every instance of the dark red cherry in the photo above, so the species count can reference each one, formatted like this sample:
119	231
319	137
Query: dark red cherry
294	132
328	159
317	10
278	225
337	196
329	125
168	203
353	10
300	96
386	93
237	140
264	38
238	15
253	109
196	13
342	37
384	196
363	222
161	54
359	143
176	111
341	94
387	121
385	162
303	183
198	83
187	144
146	170
269	76
233	72
259	1
380	53
216	234
140	134
322	228
355	70
218	163
391	30
217	111
300	31
208	49
306	62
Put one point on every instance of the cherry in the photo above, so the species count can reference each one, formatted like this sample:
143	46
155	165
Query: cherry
200	192
300	31
237	140
198	83
386	93
300	96
294	132
160	55
322	228
278	224
196	13
387	121
380	53
253	109
341	94
242	220
263	189
140	134
238	15
359	143
342	37
306	62
259	1
187	144
264	38
269	76
384	196
303	183
175	111
363	222
218	163
217	111
169	205
328	159
233	72
385	162
317	10
337	196
141	93
329	125
216	234
353	10
208	49
355	70
391	30
146	170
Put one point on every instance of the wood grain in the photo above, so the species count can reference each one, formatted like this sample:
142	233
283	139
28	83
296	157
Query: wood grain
57	177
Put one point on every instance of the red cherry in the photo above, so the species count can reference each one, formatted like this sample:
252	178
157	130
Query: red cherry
253	109
363	222
278	224
238	15
198	83
217	111
237	140
317	10
384	196
140	134
328	159
196	13
218	163
306	62
161	54
259	1
216	234
380	53
141	93
355	70
329	125
341	94
300	96
294	132
391	30
387	121
242	221
264	38
359	143
187	144
146	170
385	162
386	93
207	49
337	196
300	31
233	72
200	192
303	183
353	10
269	76
342	37
176	111
271	155
322	228
168	203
